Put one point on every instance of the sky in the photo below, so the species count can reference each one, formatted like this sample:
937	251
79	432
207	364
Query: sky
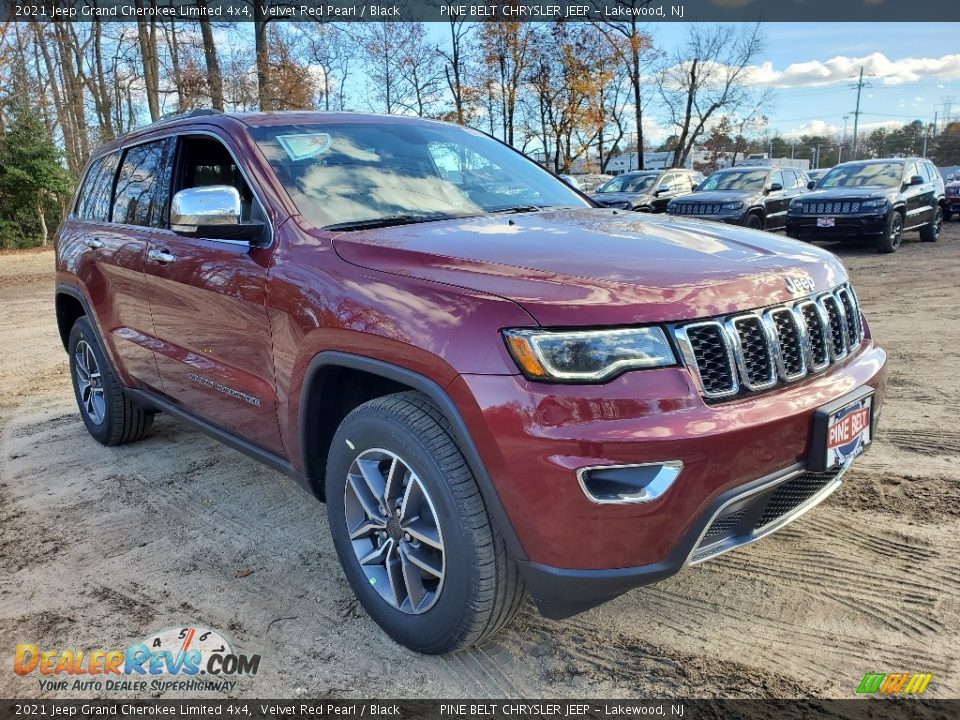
914	66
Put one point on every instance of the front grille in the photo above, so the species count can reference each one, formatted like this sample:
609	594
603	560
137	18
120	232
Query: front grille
755	351
791	495
708	343
689	208
845	207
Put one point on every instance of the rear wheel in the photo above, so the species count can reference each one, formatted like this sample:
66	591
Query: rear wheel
930	233
893	234
411	530
111	417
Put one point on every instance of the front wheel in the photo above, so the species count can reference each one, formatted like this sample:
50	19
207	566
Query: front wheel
893	233
411	530
930	233
111	417
754	221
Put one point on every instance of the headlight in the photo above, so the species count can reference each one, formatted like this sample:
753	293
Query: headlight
873	204
733	205
589	355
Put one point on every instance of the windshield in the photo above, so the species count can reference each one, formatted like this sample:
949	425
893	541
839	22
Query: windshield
356	173
629	183
882	174
747	180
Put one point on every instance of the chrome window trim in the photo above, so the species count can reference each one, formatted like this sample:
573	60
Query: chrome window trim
187	131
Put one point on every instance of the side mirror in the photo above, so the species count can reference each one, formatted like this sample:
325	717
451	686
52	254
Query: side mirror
775	187
213	212
694	186
916	180
811	185
664	189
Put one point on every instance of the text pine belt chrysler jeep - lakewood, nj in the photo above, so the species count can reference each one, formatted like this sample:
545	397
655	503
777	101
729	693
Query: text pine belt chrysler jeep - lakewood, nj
497	387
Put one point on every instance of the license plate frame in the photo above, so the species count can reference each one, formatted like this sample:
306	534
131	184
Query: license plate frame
842	430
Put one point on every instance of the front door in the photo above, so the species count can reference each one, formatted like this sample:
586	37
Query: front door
214	347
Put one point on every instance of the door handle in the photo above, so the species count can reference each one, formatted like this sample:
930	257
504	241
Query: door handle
161	256
93	243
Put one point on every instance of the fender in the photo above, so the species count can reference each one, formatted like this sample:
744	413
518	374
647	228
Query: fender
441	400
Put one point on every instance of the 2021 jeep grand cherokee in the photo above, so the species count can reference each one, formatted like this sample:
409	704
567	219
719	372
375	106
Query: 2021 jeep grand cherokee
494	386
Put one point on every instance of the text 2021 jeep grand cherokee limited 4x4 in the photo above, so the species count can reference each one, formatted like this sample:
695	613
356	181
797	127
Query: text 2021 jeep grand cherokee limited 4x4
495	386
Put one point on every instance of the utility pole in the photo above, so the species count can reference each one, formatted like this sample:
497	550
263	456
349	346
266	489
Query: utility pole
859	85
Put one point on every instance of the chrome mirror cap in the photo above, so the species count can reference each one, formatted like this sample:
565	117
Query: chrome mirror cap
210	205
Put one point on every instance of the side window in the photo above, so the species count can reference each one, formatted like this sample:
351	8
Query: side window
96	193
206	161
143	184
776	177
668	180
912	170
931	171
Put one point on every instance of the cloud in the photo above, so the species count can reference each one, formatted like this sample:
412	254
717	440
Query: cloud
822	127
877	68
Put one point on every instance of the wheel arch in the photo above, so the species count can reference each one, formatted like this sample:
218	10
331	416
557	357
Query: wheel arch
320	414
69	308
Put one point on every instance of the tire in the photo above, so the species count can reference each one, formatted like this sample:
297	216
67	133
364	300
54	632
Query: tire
947	215
478	589
754	221
892	234
111	417
930	233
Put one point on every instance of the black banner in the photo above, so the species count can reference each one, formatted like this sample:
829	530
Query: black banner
644	11
325	709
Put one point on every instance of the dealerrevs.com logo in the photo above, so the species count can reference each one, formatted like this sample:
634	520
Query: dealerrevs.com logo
894	683
190	659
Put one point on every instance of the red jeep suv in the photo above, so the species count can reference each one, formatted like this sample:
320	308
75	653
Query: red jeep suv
496	387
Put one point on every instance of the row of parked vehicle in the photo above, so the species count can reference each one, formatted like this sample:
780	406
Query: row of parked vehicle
875	200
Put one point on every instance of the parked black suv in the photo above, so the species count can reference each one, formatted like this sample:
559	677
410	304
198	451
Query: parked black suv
756	197
647	191
872	199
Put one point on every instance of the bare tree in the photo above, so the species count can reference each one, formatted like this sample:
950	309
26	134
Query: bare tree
455	70
420	69
505	48
635	45
383	53
147	37
707	76
332	48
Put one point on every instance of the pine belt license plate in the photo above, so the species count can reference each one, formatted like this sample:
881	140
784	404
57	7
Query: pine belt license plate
842	430
826	221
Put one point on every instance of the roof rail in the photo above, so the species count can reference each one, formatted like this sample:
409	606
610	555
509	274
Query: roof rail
192	113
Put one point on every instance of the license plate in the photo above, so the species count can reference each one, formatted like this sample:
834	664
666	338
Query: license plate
842	430
825	222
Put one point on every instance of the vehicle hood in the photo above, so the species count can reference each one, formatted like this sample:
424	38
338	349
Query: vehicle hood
620	197
596	267
864	191
716	196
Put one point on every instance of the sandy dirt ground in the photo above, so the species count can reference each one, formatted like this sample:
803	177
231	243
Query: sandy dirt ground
100	547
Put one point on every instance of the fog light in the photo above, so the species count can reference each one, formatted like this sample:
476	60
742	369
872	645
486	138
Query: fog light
624	484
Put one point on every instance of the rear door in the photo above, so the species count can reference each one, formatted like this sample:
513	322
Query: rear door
214	346
678	183
110	230
918	197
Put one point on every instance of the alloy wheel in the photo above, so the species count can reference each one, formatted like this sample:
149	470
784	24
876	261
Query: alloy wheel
394	531
89	382
896	230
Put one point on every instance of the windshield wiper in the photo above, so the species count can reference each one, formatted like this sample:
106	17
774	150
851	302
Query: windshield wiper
388	221
518	209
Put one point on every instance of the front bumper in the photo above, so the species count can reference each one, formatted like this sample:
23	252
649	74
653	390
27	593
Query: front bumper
846	227
534	437
952	204
728	218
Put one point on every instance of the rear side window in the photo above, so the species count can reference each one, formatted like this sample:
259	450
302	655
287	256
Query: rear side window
95	195
143	184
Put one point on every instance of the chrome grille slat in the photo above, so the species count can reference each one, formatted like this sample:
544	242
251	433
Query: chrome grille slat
754	351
